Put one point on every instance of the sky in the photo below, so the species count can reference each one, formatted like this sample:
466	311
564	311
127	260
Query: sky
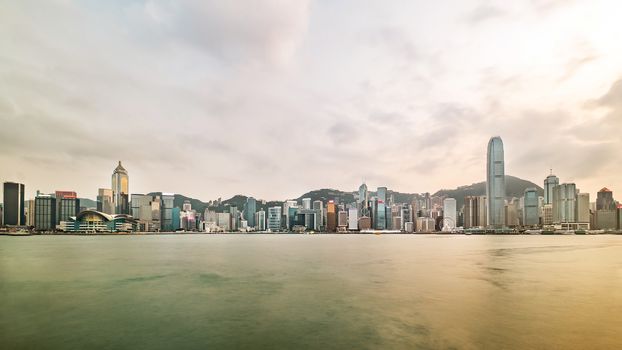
274	98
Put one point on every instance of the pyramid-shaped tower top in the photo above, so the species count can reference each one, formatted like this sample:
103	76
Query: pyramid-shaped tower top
120	169
605	189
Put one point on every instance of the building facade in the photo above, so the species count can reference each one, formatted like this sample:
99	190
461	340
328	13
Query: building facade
120	190
495	183
45	213
13	204
531	212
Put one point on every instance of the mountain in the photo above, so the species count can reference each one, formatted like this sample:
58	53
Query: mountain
515	187
87	203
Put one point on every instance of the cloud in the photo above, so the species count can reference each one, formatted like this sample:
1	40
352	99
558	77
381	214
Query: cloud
485	12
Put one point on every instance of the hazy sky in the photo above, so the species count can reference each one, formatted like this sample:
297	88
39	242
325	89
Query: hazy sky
275	98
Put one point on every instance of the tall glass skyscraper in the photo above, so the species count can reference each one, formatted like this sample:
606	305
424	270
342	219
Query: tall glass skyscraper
549	183
120	190
495	183
249	211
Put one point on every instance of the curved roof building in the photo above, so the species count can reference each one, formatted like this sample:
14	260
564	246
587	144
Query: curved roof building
495	183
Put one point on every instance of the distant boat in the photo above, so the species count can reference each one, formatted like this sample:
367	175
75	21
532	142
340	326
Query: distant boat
580	232
533	232
596	232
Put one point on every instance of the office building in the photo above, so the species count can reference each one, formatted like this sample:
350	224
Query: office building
120	190
147	211
549	183
249	211
495	183
342	221
531	212
449	214
29	212
166	211
381	194
353	219
13	204
425	224
583	207
104	201
512	213
260	220
604	200
66	208
306	203
274	219
331	216
45	213
564	203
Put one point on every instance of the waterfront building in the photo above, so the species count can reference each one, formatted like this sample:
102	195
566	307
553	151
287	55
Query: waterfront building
67	207
331	216
512	213
549	183
364	223
104	201
353	219
547	214
166	212
249	211
604	200
147	211
29	212
287	220
93	221
235	219
175	219
564	203
495	183
409	227
120	190
449	214
223	221
13	204
260	220
583	207
531	215
380	219
2	215
305	217
425	224
406	215
606	219
318	206
342	221
274	219
472	211
45	213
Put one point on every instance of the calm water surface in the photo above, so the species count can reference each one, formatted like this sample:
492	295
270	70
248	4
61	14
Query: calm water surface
311	292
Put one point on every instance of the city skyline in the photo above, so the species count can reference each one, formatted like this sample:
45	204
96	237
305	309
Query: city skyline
196	101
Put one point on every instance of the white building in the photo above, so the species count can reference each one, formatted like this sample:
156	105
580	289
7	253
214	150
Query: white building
274	219
353	219
450	215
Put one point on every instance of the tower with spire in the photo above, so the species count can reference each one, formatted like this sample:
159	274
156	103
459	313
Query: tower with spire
120	190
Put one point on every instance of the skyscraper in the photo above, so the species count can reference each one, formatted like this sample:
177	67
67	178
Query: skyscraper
120	190
331	217
549	183
604	200
249	211
382	194
564	203
13	210
274	219
45	213
167	212
530	207
449	214
104	201
495	183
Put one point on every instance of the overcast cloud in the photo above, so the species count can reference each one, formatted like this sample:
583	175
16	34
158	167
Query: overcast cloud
274	98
